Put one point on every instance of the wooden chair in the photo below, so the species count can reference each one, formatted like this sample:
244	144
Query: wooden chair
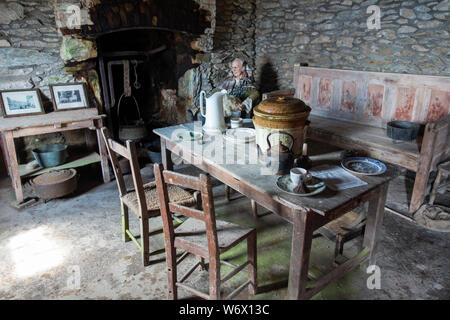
143	200
202	236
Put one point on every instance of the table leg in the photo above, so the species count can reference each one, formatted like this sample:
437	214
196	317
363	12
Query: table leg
374	221
302	232
4	158
166	156
103	156
14	166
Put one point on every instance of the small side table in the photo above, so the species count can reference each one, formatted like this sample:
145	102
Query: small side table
16	127
443	172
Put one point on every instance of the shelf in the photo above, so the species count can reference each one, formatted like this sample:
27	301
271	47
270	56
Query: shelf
78	162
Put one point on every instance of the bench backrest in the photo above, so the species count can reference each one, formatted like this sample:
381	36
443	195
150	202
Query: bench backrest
372	98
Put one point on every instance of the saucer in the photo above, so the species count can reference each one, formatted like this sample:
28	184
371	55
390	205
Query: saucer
190	135
315	186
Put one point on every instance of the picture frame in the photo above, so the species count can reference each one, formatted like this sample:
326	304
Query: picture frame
21	102
69	96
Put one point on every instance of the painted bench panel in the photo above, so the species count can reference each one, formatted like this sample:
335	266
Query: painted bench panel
372	98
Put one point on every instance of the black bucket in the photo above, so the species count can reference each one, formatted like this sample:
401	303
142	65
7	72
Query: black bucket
402	130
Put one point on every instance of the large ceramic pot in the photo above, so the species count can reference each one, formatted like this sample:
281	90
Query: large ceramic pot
280	114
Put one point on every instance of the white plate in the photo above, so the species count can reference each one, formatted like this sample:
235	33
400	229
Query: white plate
240	135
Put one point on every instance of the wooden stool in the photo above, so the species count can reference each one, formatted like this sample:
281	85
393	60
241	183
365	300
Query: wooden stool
343	229
443	172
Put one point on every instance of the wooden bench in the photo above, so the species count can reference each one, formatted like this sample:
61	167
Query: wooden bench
350	110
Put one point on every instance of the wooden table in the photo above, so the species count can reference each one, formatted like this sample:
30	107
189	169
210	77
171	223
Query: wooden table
306	214
16	127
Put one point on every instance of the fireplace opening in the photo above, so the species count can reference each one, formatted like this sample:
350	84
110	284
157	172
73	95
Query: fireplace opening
139	72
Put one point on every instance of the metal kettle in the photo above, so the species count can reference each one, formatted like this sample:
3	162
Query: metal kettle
279	158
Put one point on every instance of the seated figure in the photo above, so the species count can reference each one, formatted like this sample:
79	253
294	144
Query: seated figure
241	92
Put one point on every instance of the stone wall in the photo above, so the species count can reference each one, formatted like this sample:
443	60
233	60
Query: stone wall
413	37
234	36
29	42
30	58
34	54
271	35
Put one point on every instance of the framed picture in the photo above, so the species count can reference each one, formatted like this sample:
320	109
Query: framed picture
69	96
16	103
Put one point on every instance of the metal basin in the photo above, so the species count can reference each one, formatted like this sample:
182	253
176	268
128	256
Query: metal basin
50	155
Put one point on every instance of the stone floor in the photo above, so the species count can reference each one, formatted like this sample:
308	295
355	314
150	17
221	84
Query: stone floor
71	248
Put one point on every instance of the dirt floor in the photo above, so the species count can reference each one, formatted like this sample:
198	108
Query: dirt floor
71	248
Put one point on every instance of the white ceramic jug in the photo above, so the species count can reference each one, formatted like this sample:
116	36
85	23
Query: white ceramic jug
214	119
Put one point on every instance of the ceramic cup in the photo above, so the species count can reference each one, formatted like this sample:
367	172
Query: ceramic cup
236	122
299	176
236	114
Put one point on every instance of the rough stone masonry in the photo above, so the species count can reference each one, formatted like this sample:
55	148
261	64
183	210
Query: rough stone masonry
30	58
413	37
271	35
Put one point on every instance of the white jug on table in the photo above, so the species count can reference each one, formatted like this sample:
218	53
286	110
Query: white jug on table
214	119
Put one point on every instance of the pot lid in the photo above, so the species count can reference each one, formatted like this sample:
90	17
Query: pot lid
281	106
55	176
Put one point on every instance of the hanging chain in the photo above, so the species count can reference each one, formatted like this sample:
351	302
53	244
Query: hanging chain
136	84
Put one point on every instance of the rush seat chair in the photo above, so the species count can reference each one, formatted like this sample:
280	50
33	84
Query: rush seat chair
143	200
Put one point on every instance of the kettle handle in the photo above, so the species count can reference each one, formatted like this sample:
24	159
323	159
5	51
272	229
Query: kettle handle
135	102
281	132
202	94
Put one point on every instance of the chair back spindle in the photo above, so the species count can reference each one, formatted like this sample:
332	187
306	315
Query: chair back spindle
115	149
207	215
190	236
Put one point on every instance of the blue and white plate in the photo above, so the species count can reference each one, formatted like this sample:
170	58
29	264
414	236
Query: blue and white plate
363	165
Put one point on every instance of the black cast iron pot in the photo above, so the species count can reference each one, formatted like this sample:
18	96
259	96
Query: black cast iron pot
402	130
